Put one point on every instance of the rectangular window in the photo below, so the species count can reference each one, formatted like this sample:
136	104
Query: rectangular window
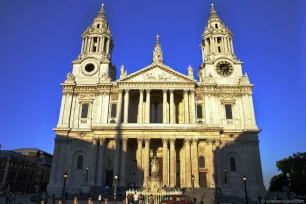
85	107
219	49
113	110
199	111
228	111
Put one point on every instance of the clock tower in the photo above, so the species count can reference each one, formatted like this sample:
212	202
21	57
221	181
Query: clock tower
94	64
219	59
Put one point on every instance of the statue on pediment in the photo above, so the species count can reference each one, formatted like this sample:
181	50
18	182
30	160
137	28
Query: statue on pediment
70	77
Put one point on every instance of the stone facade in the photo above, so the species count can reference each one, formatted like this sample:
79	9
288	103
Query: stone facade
204	129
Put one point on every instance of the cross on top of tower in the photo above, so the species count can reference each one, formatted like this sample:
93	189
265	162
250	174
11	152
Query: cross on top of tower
157	38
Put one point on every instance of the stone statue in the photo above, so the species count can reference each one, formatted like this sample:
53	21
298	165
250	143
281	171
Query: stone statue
70	77
154	167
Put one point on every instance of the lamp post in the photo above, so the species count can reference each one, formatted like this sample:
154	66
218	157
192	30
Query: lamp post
115	190
288	176
86	178
65	178
192	179
245	190
225	176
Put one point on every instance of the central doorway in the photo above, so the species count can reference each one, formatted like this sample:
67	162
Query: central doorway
109	178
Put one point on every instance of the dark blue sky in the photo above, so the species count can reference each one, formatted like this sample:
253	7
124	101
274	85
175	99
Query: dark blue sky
39	39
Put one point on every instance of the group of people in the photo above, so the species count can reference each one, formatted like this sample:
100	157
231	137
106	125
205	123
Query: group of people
9	197
138	199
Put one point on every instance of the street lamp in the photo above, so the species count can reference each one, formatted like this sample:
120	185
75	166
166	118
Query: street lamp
86	178
115	190
192	179
245	190
65	178
225	176
288	176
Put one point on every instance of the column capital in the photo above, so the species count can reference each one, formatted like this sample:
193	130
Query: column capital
187	140
148	90
120	90
172	140
147	139
210	140
126	90
141	90
195	140
171	90
165	140
102	140
165	90
94	140
192	90
140	139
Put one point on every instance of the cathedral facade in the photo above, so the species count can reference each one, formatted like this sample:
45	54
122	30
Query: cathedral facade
202	132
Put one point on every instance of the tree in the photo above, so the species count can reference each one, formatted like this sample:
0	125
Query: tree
295	167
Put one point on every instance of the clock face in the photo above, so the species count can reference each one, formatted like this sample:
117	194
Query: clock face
224	68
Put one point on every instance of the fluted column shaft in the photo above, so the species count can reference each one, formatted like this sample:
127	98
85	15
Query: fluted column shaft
119	107
140	108
187	163
117	157
139	160
165	161
126	106
123	163
193	111
147	161
172	163
171	106
101	162
148	106
195	162
186	106
164	106
210	165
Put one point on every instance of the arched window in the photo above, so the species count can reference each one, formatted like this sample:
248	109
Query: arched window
232	164
113	111
199	111
80	162
201	162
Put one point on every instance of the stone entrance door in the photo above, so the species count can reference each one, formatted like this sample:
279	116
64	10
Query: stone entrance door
203	179
109	178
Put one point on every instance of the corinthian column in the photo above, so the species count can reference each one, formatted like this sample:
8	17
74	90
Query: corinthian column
193	114
186	106
123	163
172	163
187	163
126	106
165	161
140	107
139	161
147	160
210	163
195	162
101	162
164	106
171	106
148	106
119	107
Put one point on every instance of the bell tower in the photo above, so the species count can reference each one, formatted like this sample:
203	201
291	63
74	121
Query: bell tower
218	56
94	64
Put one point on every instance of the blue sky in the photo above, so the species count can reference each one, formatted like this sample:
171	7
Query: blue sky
39	39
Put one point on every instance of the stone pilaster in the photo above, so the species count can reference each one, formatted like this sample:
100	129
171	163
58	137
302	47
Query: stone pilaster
187	163
126	106
172	163
140	107
164	106
210	163
165	161
94	162
117	158
139	160
193	111
147	161
119	107
171	106
195	162
123	163
101	162
148	105
186	106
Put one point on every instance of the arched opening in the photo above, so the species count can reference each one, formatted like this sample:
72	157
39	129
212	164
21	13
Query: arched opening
232	164
80	162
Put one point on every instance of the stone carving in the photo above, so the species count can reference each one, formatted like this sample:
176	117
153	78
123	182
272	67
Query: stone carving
190	72
123	72
81	135
70	77
156	74
244	79
154	167
105	77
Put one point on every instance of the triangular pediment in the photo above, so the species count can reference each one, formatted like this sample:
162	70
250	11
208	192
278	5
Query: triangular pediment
157	72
